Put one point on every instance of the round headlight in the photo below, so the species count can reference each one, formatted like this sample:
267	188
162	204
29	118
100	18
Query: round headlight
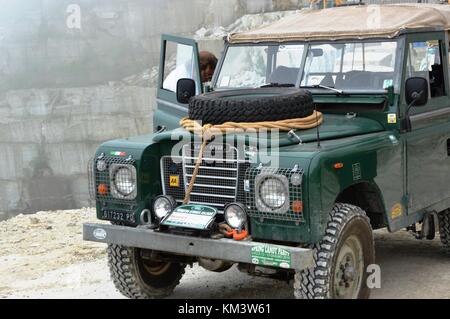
235	215
273	193
163	205
124	181
101	165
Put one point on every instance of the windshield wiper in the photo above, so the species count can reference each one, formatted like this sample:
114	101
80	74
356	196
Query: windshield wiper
277	85
325	87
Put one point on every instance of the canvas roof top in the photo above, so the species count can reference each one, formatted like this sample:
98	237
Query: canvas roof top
360	22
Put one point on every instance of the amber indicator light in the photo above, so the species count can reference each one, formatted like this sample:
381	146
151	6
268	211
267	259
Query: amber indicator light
102	189
297	206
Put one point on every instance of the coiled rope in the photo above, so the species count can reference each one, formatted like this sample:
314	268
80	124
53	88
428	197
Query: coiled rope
207	131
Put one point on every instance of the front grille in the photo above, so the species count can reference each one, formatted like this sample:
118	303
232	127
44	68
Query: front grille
219	180
97	177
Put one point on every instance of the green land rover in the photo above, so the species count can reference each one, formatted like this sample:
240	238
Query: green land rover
328	124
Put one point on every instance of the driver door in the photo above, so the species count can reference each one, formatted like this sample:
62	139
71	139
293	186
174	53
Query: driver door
179	59
428	143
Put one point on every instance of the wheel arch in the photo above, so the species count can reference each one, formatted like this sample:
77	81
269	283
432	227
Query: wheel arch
367	196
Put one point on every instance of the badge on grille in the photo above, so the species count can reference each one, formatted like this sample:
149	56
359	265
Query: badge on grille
174	181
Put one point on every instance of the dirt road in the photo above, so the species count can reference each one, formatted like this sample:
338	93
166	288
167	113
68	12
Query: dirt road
43	256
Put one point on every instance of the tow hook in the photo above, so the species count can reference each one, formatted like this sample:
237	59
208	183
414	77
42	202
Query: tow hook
240	235
233	233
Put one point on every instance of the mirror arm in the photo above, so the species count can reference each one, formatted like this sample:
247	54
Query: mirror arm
416	96
407	119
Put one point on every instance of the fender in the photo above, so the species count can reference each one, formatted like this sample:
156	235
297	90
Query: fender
146	154
374	159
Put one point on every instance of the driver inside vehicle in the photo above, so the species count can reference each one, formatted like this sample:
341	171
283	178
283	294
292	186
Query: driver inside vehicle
208	63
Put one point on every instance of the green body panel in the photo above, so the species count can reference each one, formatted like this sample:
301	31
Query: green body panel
147	155
406	173
428	162
374	159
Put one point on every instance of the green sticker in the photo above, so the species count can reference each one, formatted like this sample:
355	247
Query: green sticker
270	255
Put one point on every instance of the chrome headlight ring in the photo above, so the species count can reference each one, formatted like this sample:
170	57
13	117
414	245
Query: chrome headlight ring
123	181
272	193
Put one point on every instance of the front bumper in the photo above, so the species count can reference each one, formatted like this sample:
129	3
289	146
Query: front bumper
222	249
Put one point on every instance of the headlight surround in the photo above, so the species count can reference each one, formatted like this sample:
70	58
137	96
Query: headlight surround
123	181
272	193
235	215
163	205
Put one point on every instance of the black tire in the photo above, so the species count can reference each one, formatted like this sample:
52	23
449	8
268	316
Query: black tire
251	105
321	282
132	278
444	230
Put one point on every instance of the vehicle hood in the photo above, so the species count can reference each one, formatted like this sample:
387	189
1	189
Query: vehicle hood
333	127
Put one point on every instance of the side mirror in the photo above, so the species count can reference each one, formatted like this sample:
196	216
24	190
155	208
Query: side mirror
316	52
416	91
185	90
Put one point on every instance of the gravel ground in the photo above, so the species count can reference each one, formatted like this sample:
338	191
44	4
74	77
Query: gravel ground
43	256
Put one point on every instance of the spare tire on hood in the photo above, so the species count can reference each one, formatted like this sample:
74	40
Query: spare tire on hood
251	105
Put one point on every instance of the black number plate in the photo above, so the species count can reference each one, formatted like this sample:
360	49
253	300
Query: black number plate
118	216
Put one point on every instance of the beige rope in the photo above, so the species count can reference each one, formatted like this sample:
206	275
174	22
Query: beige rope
303	123
194	174
207	131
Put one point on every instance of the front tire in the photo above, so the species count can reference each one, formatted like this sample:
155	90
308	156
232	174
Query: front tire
139	278
341	258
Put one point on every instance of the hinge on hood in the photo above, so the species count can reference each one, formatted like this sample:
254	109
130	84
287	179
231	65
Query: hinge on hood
292	134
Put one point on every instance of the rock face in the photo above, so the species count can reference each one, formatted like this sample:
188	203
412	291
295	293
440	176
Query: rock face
76	73
48	135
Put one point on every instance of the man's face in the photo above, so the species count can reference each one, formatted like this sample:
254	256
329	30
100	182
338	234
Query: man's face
207	73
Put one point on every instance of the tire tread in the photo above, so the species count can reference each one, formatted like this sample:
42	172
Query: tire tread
313	283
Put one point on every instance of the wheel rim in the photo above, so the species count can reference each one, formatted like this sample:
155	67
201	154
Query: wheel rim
156	268
349	269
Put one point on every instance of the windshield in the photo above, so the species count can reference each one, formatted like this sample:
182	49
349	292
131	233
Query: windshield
254	66
344	66
351	66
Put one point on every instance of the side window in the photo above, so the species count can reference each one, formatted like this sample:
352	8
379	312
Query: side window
178	64
424	60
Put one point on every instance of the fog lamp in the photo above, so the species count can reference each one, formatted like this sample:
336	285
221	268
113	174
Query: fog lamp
235	215
163	205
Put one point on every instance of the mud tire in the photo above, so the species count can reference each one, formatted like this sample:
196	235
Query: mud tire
319	282
132	278
251	105
444	230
